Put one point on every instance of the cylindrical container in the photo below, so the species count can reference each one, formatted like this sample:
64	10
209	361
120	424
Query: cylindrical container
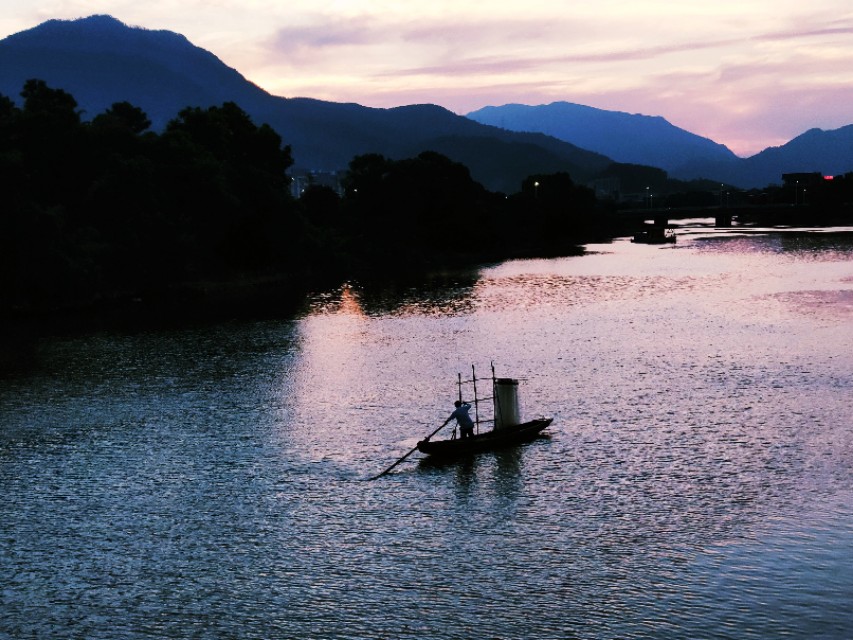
506	403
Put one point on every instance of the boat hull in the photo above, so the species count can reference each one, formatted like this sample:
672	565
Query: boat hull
488	441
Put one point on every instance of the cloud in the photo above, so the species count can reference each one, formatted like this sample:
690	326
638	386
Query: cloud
323	32
497	64
809	29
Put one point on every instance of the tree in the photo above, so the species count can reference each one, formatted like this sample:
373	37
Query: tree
53	109
230	179
409	211
49	136
556	213
109	209
123	116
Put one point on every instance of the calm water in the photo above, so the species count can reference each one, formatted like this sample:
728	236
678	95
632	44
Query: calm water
697	482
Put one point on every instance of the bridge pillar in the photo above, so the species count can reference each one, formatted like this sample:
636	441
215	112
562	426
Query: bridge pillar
723	219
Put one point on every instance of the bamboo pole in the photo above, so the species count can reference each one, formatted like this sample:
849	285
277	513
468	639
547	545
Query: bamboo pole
476	400
379	475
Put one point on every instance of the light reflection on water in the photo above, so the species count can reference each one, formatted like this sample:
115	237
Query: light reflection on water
696	481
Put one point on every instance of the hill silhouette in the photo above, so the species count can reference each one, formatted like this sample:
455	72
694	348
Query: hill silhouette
646	140
625	137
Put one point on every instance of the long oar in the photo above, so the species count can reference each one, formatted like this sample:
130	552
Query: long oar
410	452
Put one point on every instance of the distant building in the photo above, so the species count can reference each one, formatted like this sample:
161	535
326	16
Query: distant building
801	179
301	181
607	188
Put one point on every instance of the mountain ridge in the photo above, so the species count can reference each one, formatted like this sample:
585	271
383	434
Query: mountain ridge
632	137
101	60
652	140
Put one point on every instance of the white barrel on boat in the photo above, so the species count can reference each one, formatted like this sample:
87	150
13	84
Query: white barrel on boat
506	403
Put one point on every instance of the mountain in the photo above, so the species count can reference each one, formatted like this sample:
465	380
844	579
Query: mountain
653	141
100	61
816	150
625	137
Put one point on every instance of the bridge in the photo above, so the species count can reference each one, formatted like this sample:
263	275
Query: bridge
723	216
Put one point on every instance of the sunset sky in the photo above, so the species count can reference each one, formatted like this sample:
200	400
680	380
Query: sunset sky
746	73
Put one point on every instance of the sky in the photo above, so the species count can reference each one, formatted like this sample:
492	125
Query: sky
746	73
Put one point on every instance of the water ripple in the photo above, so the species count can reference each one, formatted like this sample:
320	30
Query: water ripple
696	482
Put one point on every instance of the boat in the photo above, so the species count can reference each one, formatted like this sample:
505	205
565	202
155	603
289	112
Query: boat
654	235
487	441
507	428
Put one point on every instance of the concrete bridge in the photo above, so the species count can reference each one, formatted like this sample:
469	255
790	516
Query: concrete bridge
723	216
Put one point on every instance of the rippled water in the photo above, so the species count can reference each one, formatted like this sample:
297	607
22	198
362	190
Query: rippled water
696	483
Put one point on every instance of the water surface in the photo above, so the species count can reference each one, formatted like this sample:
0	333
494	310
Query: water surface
697	483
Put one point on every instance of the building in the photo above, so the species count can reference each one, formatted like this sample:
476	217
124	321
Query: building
301	181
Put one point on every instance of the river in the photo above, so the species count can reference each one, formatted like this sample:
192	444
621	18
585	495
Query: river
697	480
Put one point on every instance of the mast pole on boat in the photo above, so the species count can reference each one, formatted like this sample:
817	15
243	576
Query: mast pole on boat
495	398
476	400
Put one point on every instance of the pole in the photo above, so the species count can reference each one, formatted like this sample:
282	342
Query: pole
476	400
496	399
411	452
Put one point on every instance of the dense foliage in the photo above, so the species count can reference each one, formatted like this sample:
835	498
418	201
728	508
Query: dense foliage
108	210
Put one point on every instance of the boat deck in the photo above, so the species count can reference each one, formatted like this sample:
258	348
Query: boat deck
487	441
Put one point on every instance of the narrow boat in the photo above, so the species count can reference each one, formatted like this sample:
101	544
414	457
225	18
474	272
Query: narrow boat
654	235
487	441
507	429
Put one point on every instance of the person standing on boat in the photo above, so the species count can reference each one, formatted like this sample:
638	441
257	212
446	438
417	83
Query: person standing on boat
466	425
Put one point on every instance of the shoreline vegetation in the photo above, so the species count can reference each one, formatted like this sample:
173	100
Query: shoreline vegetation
106	221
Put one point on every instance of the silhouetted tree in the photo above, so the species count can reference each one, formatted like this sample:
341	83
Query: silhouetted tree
123	116
556	213
229	178
108	208
414	211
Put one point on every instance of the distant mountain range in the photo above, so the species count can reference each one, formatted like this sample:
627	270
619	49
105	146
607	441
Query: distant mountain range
653	141
100	61
625	137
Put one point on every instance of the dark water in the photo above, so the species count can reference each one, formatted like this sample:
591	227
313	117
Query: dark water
697	482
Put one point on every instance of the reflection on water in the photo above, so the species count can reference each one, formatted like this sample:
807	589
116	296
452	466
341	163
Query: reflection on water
436	293
696	481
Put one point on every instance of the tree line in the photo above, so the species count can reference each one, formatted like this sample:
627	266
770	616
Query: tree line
107	209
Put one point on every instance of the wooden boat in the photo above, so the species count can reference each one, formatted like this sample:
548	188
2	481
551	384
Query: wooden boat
654	235
508	429
487	441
